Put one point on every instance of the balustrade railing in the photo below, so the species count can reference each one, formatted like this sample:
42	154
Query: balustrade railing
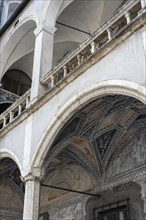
76	58
16	109
93	44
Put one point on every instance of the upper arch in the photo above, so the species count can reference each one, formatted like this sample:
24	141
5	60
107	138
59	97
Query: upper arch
22	33
5	152
97	90
54	9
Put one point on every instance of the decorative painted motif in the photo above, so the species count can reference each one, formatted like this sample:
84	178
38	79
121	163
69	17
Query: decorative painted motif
9	196
99	138
86	149
54	193
131	157
71	176
74	211
10	171
103	142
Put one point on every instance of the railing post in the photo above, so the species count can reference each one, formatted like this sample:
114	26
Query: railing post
4	121
27	102
93	47
52	81
109	32
79	59
127	16
64	71
11	116
19	109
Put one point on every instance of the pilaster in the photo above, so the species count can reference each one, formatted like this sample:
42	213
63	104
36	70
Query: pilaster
43	56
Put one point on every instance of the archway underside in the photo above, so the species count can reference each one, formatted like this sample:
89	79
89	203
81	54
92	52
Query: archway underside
11	190
104	139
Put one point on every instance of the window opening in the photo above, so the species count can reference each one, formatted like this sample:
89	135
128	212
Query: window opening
113	211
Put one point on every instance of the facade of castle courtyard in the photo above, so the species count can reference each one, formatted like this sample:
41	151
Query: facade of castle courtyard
73	109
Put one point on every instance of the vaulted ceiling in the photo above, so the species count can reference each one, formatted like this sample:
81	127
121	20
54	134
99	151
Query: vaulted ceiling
10	172
97	133
87	145
78	21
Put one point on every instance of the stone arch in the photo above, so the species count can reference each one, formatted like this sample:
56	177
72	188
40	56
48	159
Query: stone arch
5	152
7	81
53	9
11	186
121	87
12	47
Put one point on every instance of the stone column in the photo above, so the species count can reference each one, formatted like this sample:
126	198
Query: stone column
43	56
31	199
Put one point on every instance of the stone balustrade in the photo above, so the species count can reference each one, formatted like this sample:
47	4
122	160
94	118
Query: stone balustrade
106	33
16	109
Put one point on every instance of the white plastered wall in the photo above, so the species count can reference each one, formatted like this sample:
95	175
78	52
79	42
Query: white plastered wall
121	72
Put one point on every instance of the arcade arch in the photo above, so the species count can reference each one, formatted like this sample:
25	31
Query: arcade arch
109	87
14	49
11	188
7	153
16	82
76	21
100	140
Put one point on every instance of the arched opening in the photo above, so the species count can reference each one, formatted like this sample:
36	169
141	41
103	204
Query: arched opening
13	85
104	139
5	105
79	20
16	81
17	63
14	54
11	190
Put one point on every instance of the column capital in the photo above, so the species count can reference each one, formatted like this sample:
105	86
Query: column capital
44	27
30	178
36	174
